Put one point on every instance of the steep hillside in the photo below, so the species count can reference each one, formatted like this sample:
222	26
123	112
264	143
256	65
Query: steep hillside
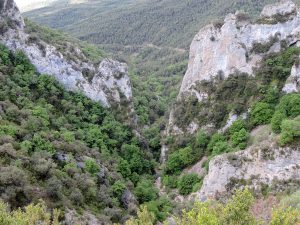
165	23
237	114
70	63
151	36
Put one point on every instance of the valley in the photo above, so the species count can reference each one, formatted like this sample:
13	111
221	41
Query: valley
138	112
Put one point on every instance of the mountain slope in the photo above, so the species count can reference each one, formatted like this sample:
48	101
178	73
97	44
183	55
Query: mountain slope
164	23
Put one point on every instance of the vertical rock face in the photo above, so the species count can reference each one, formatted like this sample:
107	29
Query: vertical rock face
237	46
107	82
229	47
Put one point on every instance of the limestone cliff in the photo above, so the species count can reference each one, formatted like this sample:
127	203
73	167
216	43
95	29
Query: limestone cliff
237	45
265	165
106	82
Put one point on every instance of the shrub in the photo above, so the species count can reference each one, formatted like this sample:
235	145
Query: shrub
214	140
145	191
290	131
170	181
118	188
202	139
237	126
237	210
240	138
277	121
187	182
143	217
32	214
91	166
261	113
285	216
124	168
180	159
160	208
220	147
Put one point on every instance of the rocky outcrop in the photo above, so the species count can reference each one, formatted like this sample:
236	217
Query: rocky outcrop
293	82
257	167
107	82
235	46
230	47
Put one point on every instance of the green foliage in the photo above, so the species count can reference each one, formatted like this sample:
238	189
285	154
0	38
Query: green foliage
240	138
32	214
143	217
202	139
261	113
237	210
180	159
215	139
160	208
118	188
290	131
220	147
63	144
236	126
285	216
91	166
145	191
187	182
170	181
276	121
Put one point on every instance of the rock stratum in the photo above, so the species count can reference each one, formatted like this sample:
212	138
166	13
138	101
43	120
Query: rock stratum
106	82
265	165
237	45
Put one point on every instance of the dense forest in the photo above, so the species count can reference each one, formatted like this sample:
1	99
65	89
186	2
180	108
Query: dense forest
61	151
66	149
153	37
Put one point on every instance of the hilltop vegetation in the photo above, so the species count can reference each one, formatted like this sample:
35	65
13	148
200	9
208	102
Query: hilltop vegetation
66	149
153	37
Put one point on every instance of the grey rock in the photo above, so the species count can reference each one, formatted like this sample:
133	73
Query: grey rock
107	83
231	50
283	8
61	157
80	165
263	164
127	198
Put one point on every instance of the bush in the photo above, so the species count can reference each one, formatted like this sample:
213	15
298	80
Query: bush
277	121
214	140
170	181
220	147
202	139
237	126
118	188
32	214
145	191
290	131
160	208
261	113
187	182
240	138
180	159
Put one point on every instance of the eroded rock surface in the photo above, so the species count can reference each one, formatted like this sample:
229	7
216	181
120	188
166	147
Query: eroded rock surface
256	167
236	46
107	82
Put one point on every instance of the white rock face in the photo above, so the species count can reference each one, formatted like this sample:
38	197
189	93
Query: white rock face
263	164
228	48
284	7
107	83
293	82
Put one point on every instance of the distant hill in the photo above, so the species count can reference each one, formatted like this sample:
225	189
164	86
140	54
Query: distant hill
135	22
152	36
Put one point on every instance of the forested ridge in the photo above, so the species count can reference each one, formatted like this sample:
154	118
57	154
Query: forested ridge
62	154
153	37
